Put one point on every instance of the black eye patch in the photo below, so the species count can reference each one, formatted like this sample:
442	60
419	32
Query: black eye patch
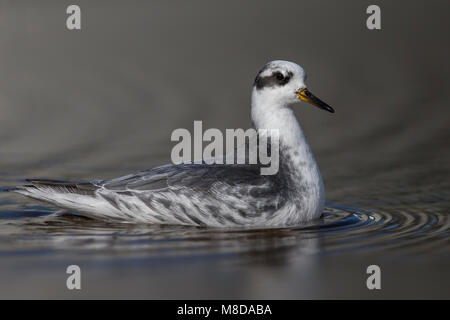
277	78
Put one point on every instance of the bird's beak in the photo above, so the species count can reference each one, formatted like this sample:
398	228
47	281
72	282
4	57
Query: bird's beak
307	96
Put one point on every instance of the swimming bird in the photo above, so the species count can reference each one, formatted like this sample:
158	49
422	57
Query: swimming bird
215	195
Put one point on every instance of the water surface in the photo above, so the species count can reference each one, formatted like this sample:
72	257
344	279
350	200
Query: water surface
102	102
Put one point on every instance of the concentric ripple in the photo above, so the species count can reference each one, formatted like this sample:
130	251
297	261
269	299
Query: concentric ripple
342	229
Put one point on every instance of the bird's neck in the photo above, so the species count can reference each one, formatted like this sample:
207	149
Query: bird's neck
297	163
267	115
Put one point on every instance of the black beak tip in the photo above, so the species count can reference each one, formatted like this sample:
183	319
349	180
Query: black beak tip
329	109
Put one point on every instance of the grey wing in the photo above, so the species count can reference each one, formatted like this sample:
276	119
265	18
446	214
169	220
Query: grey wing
198	192
199	178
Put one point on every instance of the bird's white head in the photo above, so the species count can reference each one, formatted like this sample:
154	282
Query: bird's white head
281	84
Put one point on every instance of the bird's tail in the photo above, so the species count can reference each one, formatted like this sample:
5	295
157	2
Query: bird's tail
84	198
76	187
77	196
60	186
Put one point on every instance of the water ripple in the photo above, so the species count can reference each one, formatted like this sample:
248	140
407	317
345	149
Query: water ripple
342	229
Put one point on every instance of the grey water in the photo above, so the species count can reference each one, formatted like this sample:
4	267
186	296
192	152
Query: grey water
102	102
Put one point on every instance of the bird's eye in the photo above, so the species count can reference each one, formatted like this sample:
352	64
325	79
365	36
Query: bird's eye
279	76
307	93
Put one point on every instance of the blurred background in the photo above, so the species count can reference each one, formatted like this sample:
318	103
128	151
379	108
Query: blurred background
102	101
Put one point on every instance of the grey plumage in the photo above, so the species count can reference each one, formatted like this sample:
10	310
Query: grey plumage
194	194
218	195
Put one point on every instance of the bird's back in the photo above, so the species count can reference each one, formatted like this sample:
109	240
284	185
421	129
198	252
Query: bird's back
190	194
